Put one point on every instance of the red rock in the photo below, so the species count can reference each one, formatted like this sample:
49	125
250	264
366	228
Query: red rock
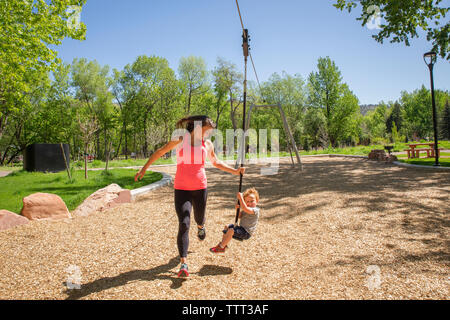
10	219
391	158
379	155
44	206
103	199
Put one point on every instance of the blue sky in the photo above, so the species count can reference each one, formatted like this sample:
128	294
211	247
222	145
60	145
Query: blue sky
286	35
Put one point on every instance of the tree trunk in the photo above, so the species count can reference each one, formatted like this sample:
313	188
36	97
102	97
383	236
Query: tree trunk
134	142
73	148
85	160
107	155
3	123
2	161
65	162
189	102
145	150
16	153
217	120
5	154
232	112
120	144
105	140
97	143
126	139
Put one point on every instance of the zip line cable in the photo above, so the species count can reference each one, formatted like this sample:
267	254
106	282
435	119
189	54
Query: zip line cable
251	58
257	80
240	16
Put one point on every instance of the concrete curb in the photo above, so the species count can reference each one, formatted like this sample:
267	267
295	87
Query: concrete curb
166	180
5	173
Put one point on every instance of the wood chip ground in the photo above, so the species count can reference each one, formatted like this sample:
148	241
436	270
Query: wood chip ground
343	228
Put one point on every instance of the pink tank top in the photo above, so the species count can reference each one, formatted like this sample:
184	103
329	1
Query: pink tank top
190	173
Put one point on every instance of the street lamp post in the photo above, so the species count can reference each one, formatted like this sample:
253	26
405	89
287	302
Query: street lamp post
430	60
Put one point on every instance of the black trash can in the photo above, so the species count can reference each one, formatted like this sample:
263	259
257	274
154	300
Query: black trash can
46	157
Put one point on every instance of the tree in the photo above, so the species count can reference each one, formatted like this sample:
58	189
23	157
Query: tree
90	81
88	127
324	85
193	75
374	123
403	18
315	128
418	113
396	117
227	87
396	137
107	118
445	122
27	30
119	87
345	119
52	113
169	107
328	92
23	124
288	91
155	91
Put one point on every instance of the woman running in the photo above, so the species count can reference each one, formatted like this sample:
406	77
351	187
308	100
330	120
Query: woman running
190	179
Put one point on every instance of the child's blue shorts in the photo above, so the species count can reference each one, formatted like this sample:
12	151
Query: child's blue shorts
239	232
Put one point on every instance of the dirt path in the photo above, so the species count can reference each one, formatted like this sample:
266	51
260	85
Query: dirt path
343	228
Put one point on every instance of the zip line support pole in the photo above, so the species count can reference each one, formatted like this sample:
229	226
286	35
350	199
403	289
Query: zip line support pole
242	151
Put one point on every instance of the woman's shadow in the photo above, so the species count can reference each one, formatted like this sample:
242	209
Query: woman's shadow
157	273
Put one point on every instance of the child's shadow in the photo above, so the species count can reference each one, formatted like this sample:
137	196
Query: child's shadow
146	275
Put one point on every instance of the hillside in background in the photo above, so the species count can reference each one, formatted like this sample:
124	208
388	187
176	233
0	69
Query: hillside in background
364	108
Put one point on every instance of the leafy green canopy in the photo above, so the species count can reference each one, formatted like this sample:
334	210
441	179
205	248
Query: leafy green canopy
404	17
340	106
27	30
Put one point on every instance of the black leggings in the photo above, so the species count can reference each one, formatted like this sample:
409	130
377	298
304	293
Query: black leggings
184	201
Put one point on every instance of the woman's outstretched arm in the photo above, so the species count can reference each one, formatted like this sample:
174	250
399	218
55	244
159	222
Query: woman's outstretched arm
220	164
155	156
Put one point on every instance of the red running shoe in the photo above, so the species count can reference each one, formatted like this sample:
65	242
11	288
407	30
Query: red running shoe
184	272
218	249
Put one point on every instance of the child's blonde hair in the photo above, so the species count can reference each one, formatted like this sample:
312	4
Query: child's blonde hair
251	191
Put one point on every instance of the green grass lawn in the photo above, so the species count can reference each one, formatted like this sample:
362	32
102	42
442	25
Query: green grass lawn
121	163
20	184
16	167
444	162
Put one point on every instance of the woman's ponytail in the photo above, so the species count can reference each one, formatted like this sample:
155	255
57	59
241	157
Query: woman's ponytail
180	123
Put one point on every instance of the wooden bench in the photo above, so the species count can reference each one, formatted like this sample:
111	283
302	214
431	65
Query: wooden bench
430	152
413	153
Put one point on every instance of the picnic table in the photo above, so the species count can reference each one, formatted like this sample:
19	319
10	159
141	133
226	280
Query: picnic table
414	151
